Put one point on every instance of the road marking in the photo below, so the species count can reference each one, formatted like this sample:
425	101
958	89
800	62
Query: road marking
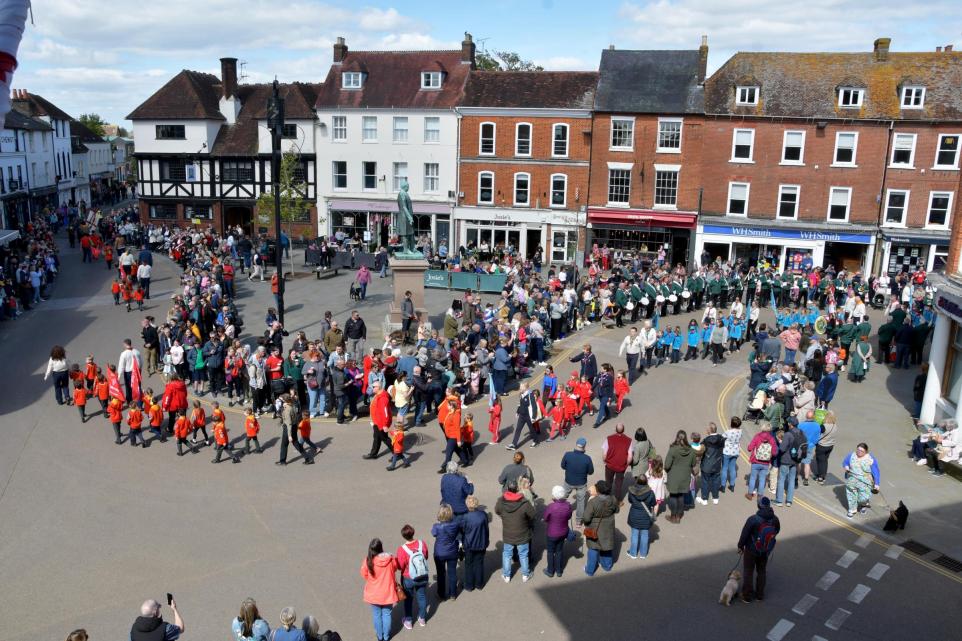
894	552
877	571
818	638
837	619
859	593
780	630
827	580
805	604
864	540
847	559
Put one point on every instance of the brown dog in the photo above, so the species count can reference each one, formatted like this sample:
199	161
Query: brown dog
731	588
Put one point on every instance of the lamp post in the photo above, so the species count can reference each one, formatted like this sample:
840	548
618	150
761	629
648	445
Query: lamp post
275	122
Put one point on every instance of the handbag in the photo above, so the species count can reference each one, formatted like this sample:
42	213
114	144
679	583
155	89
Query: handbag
400	591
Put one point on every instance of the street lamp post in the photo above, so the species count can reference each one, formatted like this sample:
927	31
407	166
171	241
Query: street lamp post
275	122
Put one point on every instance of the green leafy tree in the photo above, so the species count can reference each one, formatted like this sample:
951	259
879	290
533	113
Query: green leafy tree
295	208
94	123
504	61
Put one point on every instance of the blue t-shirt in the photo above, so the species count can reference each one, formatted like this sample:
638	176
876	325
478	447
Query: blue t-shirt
693	338
812	432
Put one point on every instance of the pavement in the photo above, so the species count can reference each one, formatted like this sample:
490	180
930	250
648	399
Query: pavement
88	529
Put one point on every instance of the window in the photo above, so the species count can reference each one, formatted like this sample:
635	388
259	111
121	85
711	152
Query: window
432	129
669	135
486	142
746	95
432	177
738	199
940	204
173	171
237	171
339	128
289	131
559	137
947	154
351	80
485	188
400	129
903	150
666	187
198	211
788	201
369	128
743	140
430	80
340	174
559	190
622	133
839	200
522	186
400	175
896	203
163	211
169	132
913	97
793	148
850	97
369	173
522	139
845	145
619	186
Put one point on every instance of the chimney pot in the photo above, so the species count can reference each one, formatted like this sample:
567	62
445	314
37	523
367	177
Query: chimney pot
948	48
340	50
468	50
938	49
611	47
228	76
704	41
881	47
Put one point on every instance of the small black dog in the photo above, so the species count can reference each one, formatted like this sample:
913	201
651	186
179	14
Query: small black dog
897	518
355	292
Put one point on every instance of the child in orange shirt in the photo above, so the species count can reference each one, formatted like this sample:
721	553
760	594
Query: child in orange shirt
304	436
621	389
90	373
80	400
570	403
139	298
217	414
181	430
222	443
467	438
109	256
494	420
126	293
198	421
252	427
557	422
397	445
155	415
584	397
102	391
135	419
115	414
115	290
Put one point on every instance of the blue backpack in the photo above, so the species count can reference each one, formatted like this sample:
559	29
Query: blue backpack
763	538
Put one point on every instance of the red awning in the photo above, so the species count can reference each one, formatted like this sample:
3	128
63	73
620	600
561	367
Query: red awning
646	217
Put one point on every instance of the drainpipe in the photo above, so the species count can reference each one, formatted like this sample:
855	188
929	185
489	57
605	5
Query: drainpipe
879	242
457	190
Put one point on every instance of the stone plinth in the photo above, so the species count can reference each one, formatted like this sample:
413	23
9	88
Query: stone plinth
408	275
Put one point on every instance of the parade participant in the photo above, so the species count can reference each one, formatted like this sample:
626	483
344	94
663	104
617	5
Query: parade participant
251	428
528	413
631	346
304	436
604	390
198	422
222	442
289	420
135	419
397	446
155	416
58	366
494	420
467	438
80	400
101	391
380	411
90	374
115	415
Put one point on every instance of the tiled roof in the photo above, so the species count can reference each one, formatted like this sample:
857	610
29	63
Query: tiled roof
16	120
82	132
393	80
806	84
33	105
531	89
240	139
190	95
665	81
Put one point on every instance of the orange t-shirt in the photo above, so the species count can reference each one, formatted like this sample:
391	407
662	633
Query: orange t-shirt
115	288
80	396
220	433
397	442
90	371
102	390
134	418
218	415
115	411
252	426
452	425
304	428
181	427
467	432
156	415
198	418
621	387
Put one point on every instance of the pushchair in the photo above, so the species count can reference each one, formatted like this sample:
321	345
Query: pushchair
754	411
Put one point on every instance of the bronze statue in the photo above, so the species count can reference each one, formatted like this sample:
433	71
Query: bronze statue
405	224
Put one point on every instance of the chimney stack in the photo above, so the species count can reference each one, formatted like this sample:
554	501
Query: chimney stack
467	49
228	76
882	49
340	50
948	48
938	50
703	59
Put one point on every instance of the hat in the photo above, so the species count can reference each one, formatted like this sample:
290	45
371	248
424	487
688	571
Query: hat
764	502
581	443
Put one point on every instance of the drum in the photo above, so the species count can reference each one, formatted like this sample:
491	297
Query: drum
659	299
686	294
821	324
645	301
672	298
878	300
630	305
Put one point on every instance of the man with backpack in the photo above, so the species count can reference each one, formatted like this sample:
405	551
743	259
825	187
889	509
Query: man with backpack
412	559
755	545
792	450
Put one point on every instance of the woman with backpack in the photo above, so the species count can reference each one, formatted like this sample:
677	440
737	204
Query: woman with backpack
761	451
380	588
412	561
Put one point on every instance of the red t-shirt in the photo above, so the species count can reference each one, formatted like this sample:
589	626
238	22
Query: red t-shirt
275	367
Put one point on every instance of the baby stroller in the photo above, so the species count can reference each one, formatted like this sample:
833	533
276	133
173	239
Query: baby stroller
355	292
756	405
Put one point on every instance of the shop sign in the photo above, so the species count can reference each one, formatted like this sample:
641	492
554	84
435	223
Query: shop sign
949	306
796	234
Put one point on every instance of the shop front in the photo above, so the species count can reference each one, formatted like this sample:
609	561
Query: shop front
16	210
555	234
943	385
910	252
373	220
643	231
43	197
782	247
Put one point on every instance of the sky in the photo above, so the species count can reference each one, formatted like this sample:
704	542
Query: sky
108	56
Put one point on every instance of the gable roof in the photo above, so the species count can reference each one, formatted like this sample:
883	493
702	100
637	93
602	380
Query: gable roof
190	95
806	84
531	89
240	139
393	80
83	133
35	106
665	81
16	120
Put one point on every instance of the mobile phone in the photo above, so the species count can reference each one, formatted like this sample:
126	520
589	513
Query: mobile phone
170	598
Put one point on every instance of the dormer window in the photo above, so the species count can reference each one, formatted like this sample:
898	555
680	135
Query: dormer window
850	97
352	80
913	97
746	95
430	80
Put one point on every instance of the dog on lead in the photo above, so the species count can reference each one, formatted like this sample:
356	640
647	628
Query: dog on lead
731	588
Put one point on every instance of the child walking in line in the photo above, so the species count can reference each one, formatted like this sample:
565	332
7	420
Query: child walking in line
570	403
102	392
397	445
198	421
676	341
155	415
494	420
467	438
115	414
621	389
80	400
222	443
181	430
90	374
549	388
115	290
251	427
304	435
135	419
557	416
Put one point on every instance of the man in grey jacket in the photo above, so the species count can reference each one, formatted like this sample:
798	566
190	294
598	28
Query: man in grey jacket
407	316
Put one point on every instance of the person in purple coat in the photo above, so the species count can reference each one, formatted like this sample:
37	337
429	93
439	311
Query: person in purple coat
557	517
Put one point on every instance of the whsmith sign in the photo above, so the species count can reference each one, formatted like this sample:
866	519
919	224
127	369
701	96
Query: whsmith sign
797	234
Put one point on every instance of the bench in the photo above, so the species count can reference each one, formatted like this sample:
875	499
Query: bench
325	272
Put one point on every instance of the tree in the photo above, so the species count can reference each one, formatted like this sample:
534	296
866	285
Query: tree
504	61
295	207
94	123
122	132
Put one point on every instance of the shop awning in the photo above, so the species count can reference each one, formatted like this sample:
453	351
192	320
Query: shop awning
646	217
6	235
388	206
916	238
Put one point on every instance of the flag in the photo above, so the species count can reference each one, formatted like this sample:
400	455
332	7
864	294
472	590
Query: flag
113	386
771	293
135	392
492	394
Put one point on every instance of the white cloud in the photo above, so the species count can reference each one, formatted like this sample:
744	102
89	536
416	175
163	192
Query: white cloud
566	63
383	20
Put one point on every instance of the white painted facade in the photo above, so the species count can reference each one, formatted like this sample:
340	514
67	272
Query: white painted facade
81	170
40	162
199	136
13	172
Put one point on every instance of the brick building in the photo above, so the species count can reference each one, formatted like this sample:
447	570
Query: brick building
525	146
646	145
844	159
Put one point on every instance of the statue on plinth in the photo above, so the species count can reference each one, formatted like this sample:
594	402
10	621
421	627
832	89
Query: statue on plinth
405	226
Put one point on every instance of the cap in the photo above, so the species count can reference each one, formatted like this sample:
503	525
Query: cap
581	442
764	502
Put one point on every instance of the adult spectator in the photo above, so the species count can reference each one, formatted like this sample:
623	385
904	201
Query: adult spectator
617	450
412	561
556	517
812	432
445	533
151	344
946	447
517	526
474	539
918	389
759	370
862	477
249	626
500	367
771	346
711	465
339	390
805	400
790	339
57	366
903	344
825	390
680	464
788	458
824	446
333	338
756	543
514	471
213	352
78	635
762	450
455	489
355	333
641	516
149	626
578	467
380	592
599	529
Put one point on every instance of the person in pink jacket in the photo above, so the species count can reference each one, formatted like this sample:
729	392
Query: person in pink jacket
790	338
363	280
761	452
380	587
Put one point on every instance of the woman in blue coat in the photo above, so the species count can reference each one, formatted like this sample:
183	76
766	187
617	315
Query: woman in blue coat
445	533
